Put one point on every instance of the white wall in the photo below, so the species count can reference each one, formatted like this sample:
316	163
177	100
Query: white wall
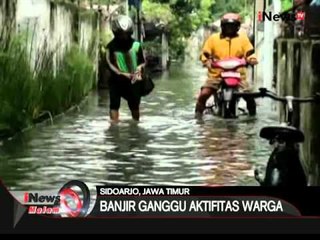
195	44
36	17
33	16
1	13
61	33
265	47
165	51
86	32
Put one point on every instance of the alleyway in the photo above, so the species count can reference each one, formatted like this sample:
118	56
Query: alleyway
168	147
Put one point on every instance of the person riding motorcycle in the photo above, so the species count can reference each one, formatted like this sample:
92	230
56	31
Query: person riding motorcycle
227	44
126	61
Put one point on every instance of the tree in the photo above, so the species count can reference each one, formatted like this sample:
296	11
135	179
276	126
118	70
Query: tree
183	17
286	4
243	7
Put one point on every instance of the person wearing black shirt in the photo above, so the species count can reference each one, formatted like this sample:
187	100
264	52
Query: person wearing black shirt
126	61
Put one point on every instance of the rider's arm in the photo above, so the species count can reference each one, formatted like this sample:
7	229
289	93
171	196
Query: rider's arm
206	50
249	51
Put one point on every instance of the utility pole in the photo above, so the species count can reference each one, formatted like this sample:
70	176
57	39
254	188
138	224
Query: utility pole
139	20
254	37
245	6
137	6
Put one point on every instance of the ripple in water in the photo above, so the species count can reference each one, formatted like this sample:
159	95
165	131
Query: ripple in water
168	147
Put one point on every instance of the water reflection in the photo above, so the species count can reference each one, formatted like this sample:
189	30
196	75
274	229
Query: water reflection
127	150
227	148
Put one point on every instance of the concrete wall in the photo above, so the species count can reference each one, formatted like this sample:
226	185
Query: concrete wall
299	75
195	44
1	12
296	72
165	51
7	13
265	35
52	26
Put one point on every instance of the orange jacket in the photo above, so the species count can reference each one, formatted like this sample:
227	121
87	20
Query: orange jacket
221	47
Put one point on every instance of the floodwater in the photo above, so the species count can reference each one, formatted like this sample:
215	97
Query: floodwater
168	146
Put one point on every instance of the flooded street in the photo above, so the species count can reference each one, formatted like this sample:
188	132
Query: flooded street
168	147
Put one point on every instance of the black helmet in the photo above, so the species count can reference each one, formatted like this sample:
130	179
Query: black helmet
123	24
231	18
230	24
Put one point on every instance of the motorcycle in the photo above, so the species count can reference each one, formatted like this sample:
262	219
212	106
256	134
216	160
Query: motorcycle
225	103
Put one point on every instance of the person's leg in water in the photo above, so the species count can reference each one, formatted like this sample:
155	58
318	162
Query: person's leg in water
251	106
205	94
134	99
135	114
251	103
115	101
114	116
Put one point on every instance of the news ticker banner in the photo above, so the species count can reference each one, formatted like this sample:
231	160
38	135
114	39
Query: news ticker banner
75	200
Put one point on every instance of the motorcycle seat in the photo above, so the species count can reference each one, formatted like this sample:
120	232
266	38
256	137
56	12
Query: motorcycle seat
285	133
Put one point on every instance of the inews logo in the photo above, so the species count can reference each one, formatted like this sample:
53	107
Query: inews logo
269	16
50	204
72	201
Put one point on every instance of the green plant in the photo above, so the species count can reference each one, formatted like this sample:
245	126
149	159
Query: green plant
19	92
162	14
180	17
105	37
153	48
26	92
73	81
183	17
286	4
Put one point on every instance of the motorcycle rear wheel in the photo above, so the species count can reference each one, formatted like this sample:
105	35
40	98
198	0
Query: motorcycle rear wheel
228	111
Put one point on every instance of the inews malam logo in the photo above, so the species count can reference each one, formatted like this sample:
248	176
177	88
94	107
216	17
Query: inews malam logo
73	200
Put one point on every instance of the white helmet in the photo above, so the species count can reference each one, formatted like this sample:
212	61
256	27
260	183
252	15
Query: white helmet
122	23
